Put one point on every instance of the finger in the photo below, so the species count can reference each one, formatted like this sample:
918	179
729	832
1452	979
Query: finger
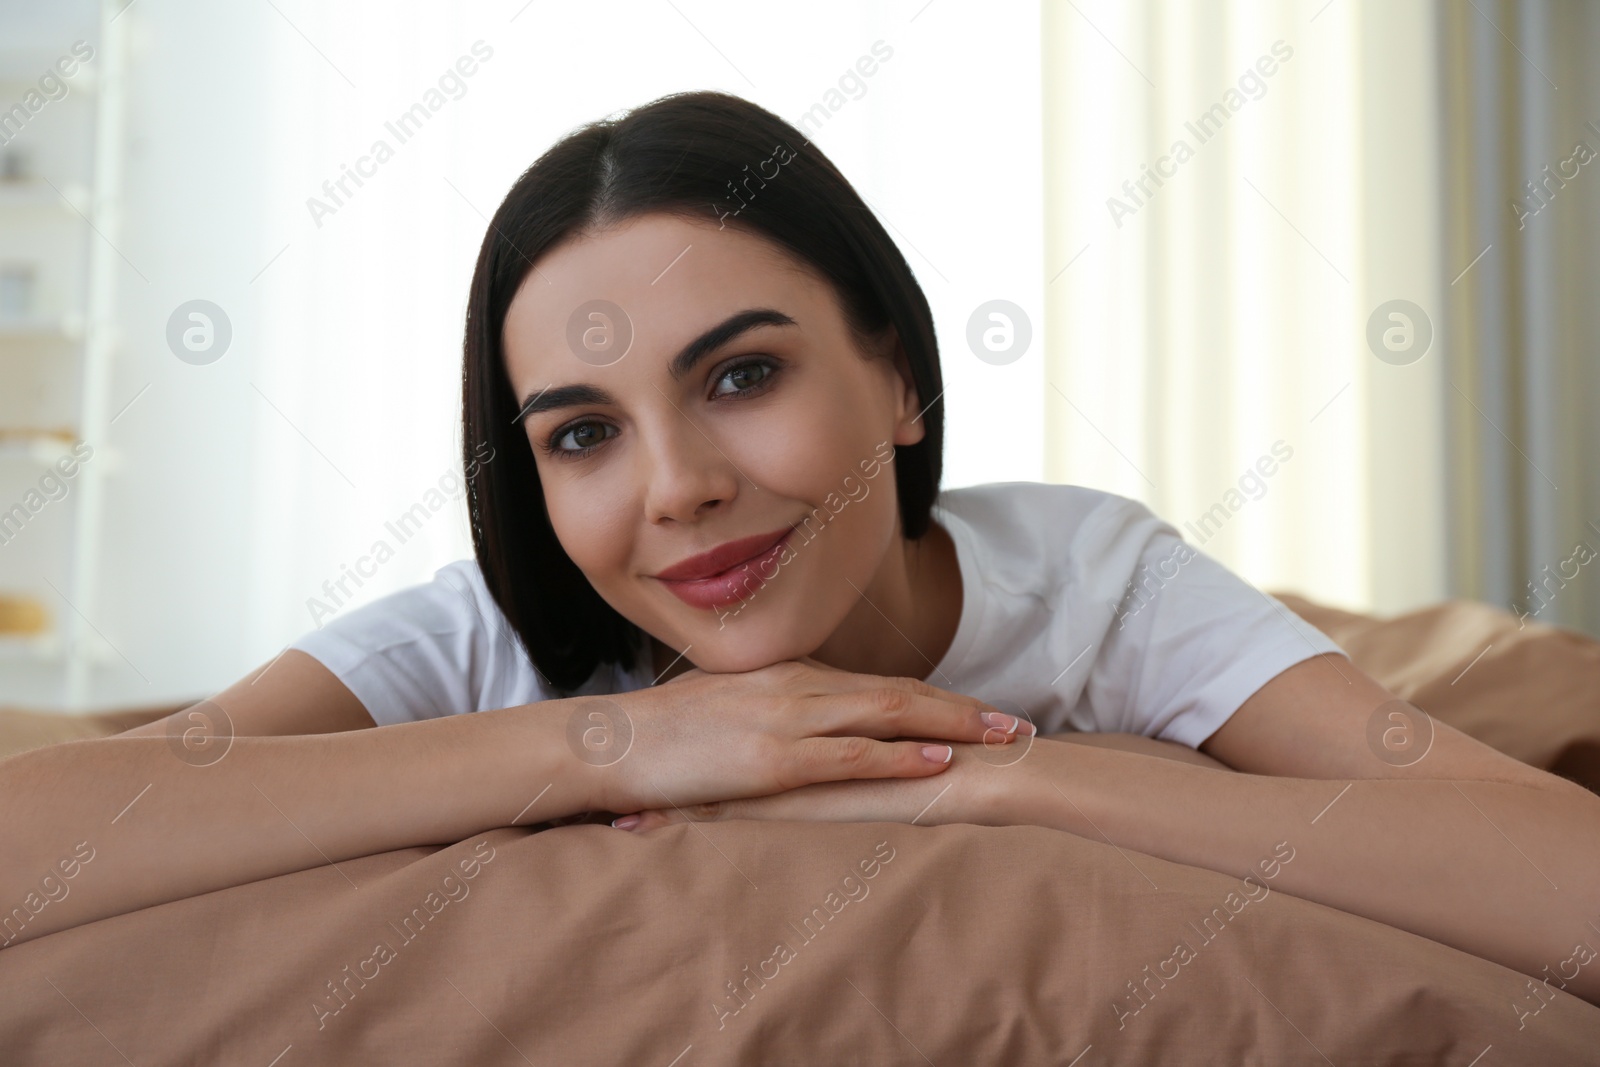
714	811
654	817
835	759
641	821
875	800
890	711
837	681
824	800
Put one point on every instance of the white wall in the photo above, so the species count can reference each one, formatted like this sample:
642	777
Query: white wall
245	484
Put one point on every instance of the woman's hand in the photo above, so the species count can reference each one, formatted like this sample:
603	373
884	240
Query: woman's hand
976	788
717	737
966	792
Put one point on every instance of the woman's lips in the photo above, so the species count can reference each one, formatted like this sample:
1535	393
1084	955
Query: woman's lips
709	581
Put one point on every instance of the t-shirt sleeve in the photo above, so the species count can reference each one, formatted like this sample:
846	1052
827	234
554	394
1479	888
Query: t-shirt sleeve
435	649
1189	641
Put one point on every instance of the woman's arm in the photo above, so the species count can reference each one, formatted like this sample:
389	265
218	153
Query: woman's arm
1464	845
290	694
1147	746
1506	871
189	805
158	826
279	772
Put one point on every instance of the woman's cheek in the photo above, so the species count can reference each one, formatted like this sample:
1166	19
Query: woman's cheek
592	525
775	448
801	452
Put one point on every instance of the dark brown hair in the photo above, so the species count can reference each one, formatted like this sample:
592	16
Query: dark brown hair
681	154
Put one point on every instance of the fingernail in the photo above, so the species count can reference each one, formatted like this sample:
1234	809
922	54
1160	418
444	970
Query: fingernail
1001	721
938	753
626	822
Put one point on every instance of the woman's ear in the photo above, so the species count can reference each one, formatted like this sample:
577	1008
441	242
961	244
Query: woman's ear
909	407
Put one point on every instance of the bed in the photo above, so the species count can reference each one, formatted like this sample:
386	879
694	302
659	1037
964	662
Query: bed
829	944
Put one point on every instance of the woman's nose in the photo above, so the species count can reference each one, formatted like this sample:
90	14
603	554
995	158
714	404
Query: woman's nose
687	473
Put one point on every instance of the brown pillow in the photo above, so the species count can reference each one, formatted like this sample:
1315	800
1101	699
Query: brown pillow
776	943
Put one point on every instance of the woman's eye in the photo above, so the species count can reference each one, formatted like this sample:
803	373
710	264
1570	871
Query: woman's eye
582	437
742	378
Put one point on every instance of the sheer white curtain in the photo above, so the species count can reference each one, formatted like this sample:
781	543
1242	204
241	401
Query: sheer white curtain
1232	189
1358	154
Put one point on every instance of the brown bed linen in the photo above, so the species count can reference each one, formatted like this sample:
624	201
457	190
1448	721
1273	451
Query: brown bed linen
587	945
967	945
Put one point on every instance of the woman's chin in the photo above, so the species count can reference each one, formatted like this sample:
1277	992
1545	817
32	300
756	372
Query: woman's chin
737	660
749	646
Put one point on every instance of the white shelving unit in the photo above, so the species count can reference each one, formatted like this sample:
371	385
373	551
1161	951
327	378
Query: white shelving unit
57	200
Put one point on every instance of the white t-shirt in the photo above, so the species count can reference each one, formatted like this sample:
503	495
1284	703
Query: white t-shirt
1081	607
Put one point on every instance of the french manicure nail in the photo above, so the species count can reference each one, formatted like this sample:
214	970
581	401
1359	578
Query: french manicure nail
938	753
1001	721
626	822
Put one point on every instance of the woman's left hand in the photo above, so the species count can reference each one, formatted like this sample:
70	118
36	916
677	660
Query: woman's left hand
979	776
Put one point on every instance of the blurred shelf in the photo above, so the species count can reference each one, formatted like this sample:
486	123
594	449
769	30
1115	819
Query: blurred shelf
46	647
42	327
40	445
34	194
54	346
31	630
25	622
21	68
50	648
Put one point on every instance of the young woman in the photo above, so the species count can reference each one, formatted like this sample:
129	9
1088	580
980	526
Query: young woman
715	577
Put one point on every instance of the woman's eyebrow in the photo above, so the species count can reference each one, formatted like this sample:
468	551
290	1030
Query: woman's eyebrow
568	396
720	334
550	399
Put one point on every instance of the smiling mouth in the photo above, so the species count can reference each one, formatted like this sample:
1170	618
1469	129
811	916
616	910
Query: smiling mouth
728	573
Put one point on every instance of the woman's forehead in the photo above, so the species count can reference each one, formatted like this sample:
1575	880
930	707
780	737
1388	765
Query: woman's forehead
654	253
662	278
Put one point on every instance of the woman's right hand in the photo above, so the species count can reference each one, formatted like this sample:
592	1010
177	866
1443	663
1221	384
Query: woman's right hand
707	737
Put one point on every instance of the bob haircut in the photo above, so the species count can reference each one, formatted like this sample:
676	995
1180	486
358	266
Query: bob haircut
683	155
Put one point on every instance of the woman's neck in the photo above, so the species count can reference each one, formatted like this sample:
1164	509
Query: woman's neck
906	619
